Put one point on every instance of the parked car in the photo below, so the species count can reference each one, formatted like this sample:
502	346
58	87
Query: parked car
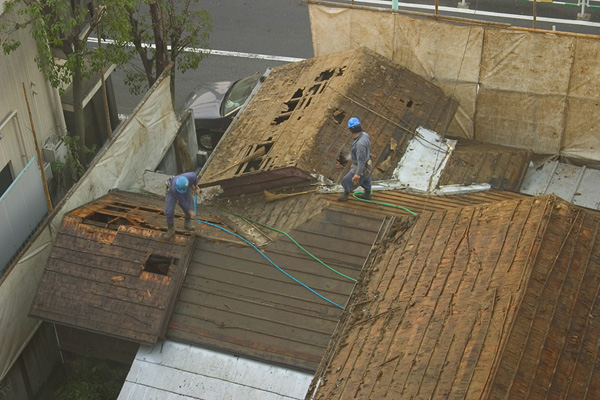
215	104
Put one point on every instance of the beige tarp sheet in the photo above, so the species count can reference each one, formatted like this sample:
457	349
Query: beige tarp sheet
533	90
139	144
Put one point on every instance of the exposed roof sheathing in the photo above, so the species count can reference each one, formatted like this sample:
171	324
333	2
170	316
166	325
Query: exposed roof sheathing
492	301
111	272
295	124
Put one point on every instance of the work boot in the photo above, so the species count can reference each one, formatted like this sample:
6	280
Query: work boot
188	225
365	196
343	196
170	232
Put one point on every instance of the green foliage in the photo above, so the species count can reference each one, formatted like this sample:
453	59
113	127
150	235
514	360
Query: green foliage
71	169
92	379
130	24
181	25
55	25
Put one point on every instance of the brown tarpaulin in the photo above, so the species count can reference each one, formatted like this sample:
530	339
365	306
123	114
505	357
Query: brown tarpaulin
537	90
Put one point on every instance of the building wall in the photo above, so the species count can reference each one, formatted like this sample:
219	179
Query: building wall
18	71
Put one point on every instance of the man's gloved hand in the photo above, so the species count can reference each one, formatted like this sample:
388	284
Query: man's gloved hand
355	179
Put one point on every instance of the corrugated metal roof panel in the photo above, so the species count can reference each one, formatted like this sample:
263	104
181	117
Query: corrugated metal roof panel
504	168
177	371
578	185
488	301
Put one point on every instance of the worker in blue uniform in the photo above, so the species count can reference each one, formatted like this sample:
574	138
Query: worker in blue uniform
180	189
360	155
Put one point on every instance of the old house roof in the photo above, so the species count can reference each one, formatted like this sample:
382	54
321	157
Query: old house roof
295	125
293	129
486	301
110	272
235	300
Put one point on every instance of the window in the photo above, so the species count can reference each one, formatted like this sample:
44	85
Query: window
6	178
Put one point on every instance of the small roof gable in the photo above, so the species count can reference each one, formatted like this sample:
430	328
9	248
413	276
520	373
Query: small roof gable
490	301
296	123
110	271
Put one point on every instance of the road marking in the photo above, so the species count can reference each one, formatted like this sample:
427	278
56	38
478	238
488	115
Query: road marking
94	40
484	13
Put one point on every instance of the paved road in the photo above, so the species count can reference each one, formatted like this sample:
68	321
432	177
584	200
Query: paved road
264	30
255	34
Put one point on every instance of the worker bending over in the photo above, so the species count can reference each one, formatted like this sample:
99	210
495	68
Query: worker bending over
180	190
360	155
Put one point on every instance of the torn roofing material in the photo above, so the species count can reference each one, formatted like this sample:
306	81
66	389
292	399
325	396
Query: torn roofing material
111	272
492	301
295	125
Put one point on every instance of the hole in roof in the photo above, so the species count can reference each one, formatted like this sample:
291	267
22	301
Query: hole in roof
104	220
299	93
157	264
281	119
291	105
325	75
409	104
253	165
314	89
339	116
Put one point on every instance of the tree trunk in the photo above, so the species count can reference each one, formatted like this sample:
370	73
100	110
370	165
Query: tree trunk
137	42
159	39
78	117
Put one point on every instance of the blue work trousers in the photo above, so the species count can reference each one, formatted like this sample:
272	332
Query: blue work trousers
365	182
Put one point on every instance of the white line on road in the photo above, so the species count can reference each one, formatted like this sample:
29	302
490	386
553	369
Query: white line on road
213	52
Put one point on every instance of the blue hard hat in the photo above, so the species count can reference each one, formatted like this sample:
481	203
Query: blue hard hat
182	184
352	122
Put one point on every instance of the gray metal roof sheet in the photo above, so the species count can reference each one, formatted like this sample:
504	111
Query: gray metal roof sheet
577	184
176	371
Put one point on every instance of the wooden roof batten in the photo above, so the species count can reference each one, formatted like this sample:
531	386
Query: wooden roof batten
489	301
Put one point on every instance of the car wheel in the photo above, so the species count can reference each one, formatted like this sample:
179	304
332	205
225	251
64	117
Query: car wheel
205	141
